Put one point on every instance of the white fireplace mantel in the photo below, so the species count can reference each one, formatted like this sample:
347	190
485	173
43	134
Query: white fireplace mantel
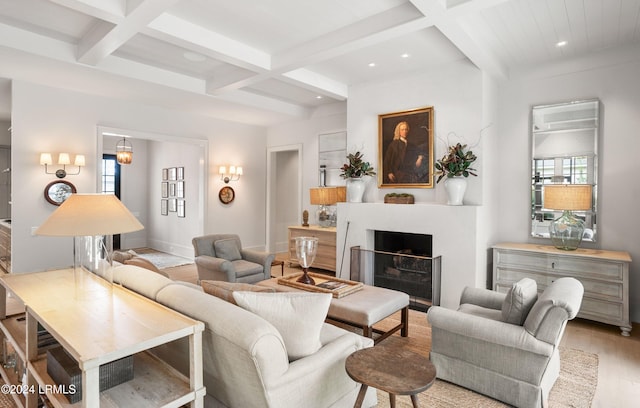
454	230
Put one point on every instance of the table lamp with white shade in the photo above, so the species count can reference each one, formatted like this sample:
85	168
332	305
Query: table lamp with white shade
566	231
89	218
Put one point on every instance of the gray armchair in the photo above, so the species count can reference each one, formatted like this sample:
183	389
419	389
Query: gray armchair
221	257
505	345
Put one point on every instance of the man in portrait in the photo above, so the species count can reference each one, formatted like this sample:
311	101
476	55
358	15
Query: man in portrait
405	161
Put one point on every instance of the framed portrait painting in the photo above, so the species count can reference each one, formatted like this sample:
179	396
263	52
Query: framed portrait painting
405	149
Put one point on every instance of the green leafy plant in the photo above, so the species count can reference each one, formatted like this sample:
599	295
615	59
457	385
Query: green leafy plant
457	162
356	167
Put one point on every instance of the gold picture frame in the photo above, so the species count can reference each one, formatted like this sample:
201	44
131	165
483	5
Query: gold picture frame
405	149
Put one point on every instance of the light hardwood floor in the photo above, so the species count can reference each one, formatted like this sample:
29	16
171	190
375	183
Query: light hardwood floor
619	357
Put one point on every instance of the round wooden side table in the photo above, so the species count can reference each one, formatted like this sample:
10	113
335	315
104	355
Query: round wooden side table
392	369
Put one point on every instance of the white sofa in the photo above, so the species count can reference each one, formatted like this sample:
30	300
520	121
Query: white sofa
244	357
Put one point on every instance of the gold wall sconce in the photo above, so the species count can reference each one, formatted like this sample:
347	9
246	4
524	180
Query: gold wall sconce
232	174
64	160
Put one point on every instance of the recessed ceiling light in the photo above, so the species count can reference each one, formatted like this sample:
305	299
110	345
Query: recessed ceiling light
194	56
405	55
561	43
319	97
372	64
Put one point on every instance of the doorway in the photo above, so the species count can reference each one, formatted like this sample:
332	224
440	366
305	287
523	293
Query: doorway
111	183
284	195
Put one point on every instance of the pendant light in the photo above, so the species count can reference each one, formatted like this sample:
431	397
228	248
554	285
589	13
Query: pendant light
124	152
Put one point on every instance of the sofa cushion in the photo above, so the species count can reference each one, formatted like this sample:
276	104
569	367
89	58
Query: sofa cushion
519	300
297	316
224	290
227	249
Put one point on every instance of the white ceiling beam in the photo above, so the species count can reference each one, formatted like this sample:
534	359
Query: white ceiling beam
112	11
260	101
106	38
196	38
447	22
317	83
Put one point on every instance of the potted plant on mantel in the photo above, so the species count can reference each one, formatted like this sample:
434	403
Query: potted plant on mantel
353	172
456	167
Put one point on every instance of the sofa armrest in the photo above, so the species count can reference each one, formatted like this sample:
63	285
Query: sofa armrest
482	297
262	258
212	268
325	368
490	331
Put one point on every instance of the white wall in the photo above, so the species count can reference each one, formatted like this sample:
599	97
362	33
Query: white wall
170	233
455	92
616	84
49	119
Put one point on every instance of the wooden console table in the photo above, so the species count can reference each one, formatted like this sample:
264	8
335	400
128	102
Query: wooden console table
97	323
604	275
326	256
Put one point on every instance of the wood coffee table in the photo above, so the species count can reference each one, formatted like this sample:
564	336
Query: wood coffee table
392	369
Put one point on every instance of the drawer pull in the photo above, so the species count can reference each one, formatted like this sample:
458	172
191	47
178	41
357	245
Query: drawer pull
553	265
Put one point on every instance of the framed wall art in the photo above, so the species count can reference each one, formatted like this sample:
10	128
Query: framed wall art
164	207
173	174
405	149
181	205
180	189
173	205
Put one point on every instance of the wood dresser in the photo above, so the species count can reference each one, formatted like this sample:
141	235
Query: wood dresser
96	323
326	256
604	275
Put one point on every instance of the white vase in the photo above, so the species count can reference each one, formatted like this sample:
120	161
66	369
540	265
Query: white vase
355	190
455	187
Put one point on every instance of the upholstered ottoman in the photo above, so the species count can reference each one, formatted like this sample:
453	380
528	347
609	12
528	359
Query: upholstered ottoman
363	308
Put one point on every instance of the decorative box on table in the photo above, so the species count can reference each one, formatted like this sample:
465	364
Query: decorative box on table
64	370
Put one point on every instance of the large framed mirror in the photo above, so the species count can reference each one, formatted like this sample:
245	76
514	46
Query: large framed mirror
564	140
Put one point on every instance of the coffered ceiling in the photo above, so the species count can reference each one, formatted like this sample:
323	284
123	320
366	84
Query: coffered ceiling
266	61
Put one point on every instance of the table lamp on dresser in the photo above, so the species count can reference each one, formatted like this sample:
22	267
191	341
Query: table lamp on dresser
92	220
566	231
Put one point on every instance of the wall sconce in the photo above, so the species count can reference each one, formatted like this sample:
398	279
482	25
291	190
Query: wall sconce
233	174
64	160
124	152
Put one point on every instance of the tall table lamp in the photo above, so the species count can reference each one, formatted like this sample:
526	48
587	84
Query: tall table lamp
89	218
566	231
323	196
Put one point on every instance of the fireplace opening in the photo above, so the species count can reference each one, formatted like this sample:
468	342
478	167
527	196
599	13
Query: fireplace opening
403	261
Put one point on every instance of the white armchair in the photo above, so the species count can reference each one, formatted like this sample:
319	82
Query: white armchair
505	345
221	257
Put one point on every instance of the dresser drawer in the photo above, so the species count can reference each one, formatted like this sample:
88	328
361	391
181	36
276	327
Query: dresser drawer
563	265
602	311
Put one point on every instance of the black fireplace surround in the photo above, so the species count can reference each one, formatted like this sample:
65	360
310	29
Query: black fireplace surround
404	262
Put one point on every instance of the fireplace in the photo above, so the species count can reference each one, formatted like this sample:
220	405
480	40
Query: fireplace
403	262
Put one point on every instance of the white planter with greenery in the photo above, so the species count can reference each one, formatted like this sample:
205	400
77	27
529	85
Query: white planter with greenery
354	173
456	167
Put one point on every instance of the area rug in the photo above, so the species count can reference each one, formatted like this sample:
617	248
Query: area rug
161	259
575	388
